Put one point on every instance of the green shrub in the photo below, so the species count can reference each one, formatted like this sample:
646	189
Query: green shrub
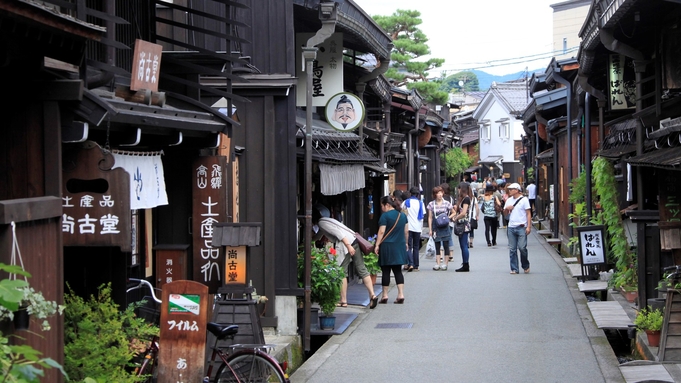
100	340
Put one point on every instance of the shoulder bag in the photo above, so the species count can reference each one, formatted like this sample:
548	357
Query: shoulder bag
471	213
364	245
391	229
507	216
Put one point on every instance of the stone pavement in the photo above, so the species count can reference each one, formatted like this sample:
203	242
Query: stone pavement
483	326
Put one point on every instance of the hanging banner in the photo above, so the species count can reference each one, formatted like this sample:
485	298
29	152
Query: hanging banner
209	206
147	181
344	111
327	73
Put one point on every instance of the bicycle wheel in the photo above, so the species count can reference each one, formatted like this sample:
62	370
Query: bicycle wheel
249	368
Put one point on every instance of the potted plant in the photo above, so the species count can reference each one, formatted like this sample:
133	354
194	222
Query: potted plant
371	263
29	303
627	282
326	277
20	362
650	321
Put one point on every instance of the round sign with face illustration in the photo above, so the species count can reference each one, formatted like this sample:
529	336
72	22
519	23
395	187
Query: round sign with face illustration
344	111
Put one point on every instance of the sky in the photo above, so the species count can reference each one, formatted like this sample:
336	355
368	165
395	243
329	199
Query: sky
487	35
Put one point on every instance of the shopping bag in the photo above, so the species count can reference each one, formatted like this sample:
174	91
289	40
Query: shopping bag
430	247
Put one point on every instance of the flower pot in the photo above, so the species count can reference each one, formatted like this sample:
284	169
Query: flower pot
630	296
327	322
21	319
653	338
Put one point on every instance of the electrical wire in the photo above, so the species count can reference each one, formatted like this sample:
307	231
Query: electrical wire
517	60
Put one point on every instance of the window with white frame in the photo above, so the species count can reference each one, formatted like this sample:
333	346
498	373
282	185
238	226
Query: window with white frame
504	129
485	130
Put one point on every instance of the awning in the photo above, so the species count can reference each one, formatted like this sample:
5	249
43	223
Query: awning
334	147
667	158
379	169
472	169
545	156
491	159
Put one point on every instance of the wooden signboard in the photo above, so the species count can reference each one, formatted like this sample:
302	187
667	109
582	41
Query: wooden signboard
171	263
146	66
235	266
182	350
209	206
95	199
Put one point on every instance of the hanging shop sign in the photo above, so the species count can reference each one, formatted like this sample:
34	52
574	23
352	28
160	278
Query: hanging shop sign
95	199
327	72
146	66
622	82
209	206
344	111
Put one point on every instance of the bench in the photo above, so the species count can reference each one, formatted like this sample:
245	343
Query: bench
609	315
570	259
592	286
545	233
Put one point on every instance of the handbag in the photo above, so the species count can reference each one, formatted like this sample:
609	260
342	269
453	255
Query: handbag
365	246
461	226
442	221
497	206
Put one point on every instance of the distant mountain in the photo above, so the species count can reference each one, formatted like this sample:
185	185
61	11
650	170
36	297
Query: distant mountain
485	79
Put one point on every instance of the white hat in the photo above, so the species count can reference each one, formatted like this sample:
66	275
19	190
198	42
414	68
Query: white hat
514	186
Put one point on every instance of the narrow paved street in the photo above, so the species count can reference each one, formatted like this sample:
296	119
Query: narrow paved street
483	326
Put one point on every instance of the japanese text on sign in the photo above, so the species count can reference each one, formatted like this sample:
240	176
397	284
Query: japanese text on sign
592	245
106	224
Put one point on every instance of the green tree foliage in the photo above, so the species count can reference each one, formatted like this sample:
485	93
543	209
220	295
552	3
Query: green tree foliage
410	45
470	82
100	340
455	161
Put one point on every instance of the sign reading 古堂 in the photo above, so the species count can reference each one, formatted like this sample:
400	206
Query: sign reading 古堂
95	200
146	66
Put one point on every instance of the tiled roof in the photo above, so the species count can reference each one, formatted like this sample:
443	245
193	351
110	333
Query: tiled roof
514	95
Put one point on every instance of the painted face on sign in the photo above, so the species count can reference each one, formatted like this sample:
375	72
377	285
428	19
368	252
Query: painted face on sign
344	112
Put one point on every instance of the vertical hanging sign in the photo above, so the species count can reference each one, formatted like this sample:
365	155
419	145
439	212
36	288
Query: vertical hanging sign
209	206
327	71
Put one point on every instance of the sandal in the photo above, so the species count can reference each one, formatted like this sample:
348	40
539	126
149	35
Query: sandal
383	301
399	301
342	304
374	302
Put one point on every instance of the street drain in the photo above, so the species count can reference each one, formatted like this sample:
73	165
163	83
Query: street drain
394	325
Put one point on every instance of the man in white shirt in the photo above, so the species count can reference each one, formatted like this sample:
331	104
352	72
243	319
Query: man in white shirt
519	213
532	195
415	211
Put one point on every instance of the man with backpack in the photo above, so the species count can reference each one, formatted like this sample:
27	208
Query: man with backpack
413	207
519	213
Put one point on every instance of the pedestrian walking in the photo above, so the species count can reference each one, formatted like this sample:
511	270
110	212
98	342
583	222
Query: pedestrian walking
519	213
442	234
473	214
447	196
462	206
489	201
532	195
415	211
391	245
338	233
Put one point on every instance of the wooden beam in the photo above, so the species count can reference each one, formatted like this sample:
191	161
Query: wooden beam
29	209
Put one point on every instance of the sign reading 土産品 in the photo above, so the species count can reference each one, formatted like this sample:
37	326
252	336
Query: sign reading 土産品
146	66
209	206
